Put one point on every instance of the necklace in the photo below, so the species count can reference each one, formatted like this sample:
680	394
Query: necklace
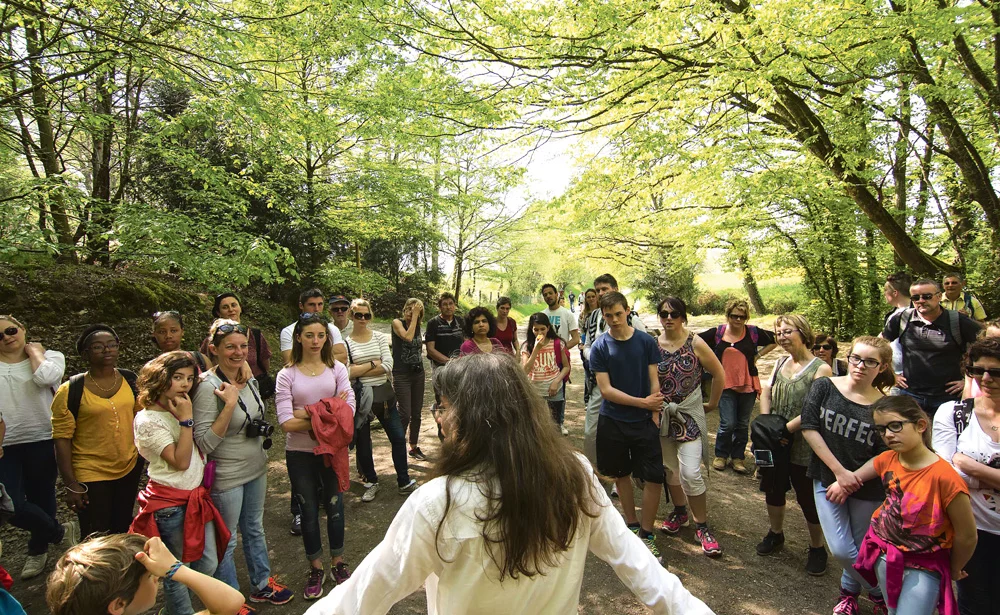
98	385
312	371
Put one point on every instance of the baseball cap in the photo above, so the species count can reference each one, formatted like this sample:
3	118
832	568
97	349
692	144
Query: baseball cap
338	299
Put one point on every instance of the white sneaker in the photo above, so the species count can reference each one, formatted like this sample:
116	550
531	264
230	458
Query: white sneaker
370	493
562	428
34	565
71	534
408	488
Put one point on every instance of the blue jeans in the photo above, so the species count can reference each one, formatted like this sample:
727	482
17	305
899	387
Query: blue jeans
170	523
310	476
844	527
930	403
919	595
734	422
28	472
243	507
388	415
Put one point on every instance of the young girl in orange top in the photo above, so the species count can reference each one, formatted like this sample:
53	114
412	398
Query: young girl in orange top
924	532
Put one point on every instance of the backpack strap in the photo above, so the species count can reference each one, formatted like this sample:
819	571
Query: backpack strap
256	340
956	329
200	360
904	321
962	413
76	389
967	297
754	334
719	332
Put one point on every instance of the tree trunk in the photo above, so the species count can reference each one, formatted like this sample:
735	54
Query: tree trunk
749	282
98	231
901	151
459	263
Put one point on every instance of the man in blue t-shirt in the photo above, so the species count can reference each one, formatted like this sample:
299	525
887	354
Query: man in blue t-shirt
628	437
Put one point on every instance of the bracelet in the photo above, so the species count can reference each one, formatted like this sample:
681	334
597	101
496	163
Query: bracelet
173	570
85	488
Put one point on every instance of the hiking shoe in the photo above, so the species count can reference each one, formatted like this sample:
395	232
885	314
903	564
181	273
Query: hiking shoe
273	592
417	454
246	609
739	467
848	605
408	488
708	542
71	534
816	563
296	529
674	522
650	542
340	573
771	543
719	464
371	490
314	583
563	430
34	565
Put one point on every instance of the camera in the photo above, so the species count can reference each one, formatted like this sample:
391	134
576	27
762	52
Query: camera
259	428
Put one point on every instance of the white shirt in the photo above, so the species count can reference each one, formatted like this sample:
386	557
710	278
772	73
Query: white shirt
26	398
563	321
288	333
897	344
462	579
972	442
155	430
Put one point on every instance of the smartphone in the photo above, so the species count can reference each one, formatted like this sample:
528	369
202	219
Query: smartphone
763	458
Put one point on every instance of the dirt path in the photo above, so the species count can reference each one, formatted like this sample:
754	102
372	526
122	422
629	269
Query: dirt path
738	583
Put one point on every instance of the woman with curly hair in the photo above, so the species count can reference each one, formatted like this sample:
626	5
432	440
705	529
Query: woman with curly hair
480	333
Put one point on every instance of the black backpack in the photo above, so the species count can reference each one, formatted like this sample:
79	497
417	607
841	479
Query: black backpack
76	389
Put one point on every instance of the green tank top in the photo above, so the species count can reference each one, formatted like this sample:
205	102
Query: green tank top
787	397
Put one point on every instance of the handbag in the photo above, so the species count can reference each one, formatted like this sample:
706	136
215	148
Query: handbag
209	477
383	393
356	385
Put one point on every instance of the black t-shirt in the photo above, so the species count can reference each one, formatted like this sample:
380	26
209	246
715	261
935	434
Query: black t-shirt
849	432
447	337
745	345
931	355
403	350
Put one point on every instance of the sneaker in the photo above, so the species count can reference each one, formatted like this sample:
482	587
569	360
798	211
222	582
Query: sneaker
371	490
408	488
34	565
879	606
314	583
563	430
614	491
273	592
246	609
296	529
771	543
650	542
739	467
674	522
340	573
71	534
719	464
417	454
816	562
848	605
708	542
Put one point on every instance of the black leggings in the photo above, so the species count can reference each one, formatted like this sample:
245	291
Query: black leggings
110	503
803	486
979	593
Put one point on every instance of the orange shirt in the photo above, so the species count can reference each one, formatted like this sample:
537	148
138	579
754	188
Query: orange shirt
738	377
914	516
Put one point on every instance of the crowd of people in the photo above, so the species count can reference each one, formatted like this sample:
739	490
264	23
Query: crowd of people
893	452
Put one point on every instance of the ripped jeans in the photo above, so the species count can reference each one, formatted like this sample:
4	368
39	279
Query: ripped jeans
314	483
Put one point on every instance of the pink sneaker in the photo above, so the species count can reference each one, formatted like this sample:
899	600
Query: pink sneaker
848	605
878	605
674	521
708	542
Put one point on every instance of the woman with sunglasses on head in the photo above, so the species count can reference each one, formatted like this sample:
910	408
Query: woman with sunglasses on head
737	346
370	363
168	333
28	372
784	394
967	434
228	306
683	430
825	348
92	421
508	522
312	375
231	429
837	423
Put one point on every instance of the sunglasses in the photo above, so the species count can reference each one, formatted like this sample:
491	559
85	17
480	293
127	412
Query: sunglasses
857	361
671	314
978	372
11	331
366	316
226	329
738	316
822	347
158	315
893	426
340	309
924	296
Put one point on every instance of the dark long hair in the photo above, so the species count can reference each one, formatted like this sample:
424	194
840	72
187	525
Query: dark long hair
326	354
501	437
906	407
538	318
476	312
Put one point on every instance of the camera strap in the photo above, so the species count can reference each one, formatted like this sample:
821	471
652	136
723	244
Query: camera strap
239	400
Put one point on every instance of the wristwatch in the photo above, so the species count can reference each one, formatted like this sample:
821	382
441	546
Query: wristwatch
187	423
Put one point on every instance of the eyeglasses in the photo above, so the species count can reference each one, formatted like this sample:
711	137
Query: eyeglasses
923	296
671	314
978	372
340	309
857	361
99	348
11	331
893	426
738	316
363	316
786	332
818	347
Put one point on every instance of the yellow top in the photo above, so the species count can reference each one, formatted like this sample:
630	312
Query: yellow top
978	313
103	442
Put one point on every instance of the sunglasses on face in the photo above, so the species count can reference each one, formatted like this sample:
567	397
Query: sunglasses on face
819	347
339	309
738	316
11	331
365	316
923	296
893	426
665	314
978	372
857	361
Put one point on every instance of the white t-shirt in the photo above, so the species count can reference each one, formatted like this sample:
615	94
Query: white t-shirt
288	332
972	442
460	577
563	321
897	344
26	398
155	430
